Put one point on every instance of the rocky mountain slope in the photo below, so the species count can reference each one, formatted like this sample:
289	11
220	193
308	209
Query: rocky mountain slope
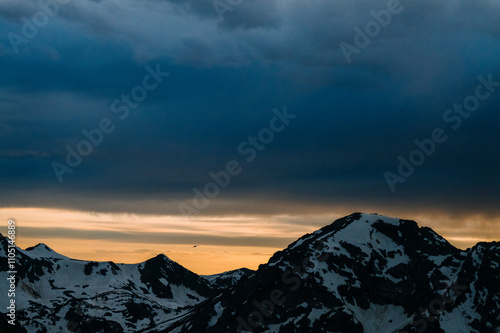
362	273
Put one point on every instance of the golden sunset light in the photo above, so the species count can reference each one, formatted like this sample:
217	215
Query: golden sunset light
244	166
222	243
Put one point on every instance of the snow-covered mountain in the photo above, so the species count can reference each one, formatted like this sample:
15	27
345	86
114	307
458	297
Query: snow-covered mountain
229	278
362	273
57	294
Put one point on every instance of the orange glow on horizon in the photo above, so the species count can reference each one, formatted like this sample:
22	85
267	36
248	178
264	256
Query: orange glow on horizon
222	243
125	238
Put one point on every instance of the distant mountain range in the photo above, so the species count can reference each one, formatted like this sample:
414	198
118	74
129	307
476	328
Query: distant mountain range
362	273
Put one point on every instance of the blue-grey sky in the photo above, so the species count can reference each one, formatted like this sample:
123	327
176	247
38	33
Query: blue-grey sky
227	72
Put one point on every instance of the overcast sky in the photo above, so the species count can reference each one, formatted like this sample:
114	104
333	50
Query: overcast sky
350	118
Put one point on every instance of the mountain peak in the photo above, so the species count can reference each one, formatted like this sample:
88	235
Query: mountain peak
357	227
39	246
368	233
362	228
160	258
42	251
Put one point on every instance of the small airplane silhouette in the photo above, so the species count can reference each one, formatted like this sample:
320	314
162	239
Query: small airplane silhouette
195	246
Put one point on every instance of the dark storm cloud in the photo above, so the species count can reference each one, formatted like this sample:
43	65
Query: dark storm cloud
353	119
15	10
235	14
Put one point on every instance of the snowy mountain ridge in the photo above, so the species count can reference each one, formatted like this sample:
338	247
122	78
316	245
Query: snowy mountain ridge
55	293
362	273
